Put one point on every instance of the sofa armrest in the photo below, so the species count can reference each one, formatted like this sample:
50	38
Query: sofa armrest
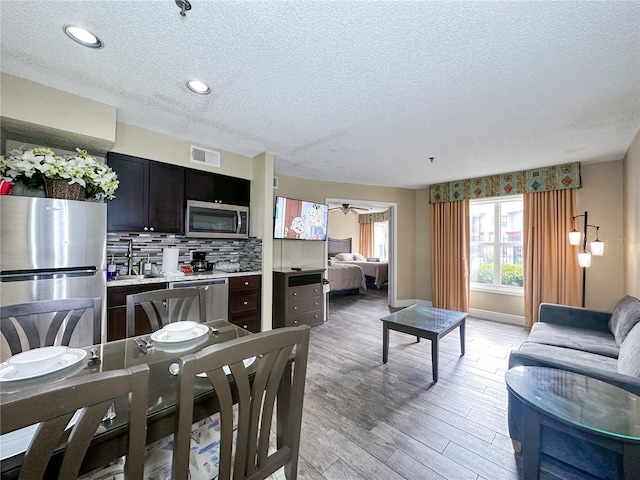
626	382
577	317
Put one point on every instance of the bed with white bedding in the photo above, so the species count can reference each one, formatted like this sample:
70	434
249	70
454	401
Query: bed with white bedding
346	278
376	272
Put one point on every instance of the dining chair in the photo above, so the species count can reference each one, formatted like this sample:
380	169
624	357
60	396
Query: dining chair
277	376
165	306
21	325
85	400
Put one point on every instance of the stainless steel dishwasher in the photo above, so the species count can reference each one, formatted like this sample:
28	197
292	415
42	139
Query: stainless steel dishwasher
217	297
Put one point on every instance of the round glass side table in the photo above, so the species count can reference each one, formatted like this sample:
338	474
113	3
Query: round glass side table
575	403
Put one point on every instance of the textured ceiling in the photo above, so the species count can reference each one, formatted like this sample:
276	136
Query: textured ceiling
362	92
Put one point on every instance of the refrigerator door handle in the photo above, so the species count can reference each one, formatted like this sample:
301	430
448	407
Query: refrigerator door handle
44	274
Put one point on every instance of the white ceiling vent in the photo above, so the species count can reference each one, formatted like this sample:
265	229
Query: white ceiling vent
206	157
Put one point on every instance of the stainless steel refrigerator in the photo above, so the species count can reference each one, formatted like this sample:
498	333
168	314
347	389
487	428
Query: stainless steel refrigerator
52	249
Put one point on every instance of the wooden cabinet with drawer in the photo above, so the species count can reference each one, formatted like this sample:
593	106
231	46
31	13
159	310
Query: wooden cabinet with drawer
244	302
117	309
297	298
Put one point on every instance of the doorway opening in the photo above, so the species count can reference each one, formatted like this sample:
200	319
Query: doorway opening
347	219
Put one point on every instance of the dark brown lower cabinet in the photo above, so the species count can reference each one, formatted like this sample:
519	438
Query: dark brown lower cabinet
117	310
244	302
298	298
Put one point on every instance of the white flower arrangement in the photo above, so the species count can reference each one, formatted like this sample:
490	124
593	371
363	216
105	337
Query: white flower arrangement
33	165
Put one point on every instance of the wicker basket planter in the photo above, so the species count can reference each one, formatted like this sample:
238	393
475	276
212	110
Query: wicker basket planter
60	188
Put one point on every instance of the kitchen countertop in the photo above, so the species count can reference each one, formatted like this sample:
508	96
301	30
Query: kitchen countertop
181	278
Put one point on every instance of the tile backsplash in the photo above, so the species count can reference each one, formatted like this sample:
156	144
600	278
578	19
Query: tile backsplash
246	251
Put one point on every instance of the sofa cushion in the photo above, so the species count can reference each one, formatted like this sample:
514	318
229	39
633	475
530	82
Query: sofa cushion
593	341
582	361
629	359
624	317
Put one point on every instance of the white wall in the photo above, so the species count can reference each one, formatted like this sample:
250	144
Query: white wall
631	212
345	226
261	225
601	195
287	253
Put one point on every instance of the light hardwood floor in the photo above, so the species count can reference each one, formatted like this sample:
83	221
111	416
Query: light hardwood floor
364	420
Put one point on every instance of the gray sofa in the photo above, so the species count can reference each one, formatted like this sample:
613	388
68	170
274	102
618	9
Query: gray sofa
601	345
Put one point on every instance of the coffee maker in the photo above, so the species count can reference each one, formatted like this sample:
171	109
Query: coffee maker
199	263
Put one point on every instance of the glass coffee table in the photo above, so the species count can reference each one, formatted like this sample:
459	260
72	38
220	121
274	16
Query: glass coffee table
579	406
423	322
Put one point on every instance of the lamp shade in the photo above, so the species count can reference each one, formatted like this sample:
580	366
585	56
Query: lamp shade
597	248
584	259
574	237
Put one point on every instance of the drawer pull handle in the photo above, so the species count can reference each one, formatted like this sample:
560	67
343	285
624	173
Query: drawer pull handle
315	303
246	303
295	293
295	322
295	308
246	283
315	290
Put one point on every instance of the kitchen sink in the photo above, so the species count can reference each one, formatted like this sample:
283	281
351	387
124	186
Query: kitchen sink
134	277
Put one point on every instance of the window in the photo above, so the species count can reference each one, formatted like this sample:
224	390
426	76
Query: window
380	240
496	244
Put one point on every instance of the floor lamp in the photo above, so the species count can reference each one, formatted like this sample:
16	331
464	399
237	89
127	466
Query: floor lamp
584	257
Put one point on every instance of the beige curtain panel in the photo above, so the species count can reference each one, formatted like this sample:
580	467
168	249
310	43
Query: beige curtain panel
366	239
450	255
551	271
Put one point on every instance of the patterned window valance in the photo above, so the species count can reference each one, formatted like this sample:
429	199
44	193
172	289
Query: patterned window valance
559	177
373	217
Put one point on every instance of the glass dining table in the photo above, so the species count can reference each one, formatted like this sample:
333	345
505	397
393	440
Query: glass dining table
109	443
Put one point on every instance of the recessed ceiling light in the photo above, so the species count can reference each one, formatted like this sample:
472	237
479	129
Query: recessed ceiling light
82	36
198	87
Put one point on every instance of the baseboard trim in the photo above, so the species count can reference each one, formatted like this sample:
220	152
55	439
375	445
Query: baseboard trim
408	303
473	312
497	317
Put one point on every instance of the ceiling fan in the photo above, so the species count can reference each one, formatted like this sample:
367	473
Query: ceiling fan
346	208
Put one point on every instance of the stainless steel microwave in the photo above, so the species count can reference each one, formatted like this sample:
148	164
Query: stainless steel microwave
216	220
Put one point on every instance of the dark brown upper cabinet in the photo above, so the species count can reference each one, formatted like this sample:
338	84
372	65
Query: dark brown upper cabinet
150	197
216	188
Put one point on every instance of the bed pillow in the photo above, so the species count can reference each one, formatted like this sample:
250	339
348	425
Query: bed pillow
345	257
624	317
358	258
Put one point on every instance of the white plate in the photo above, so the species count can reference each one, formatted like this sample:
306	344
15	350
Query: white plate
161	336
16	442
182	346
33	360
227	371
9	374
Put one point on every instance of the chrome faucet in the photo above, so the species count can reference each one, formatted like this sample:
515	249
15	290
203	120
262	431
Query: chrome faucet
129	257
